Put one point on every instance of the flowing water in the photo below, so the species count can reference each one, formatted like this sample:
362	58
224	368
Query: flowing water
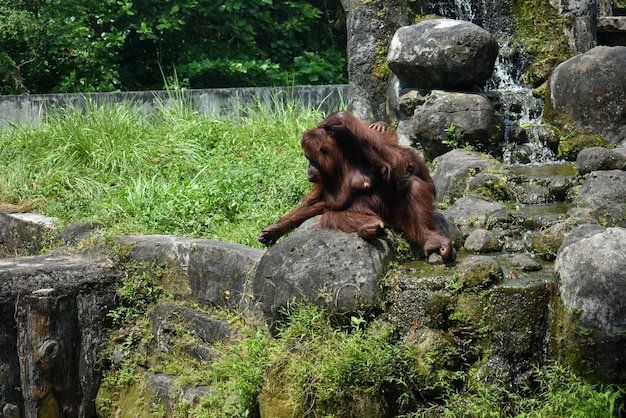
524	134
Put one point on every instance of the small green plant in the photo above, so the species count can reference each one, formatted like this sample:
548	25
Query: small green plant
137	292
452	140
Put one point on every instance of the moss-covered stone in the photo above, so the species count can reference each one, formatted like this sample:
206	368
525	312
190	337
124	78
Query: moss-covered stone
432	358
547	242
541	32
571	145
479	272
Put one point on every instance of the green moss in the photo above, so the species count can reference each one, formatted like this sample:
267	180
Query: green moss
381	70
571	145
541	31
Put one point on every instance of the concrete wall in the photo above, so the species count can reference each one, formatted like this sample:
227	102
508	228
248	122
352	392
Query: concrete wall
219	103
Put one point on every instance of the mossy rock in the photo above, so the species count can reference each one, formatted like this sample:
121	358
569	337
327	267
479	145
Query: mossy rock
546	244
570	146
432	357
479	272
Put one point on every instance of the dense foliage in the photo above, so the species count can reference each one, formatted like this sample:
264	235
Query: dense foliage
87	45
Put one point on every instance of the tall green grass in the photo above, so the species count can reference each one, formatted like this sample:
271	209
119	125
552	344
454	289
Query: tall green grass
174	172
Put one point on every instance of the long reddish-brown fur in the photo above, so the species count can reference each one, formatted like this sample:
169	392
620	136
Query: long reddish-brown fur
342	152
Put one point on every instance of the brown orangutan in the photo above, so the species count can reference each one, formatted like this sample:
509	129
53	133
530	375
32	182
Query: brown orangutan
365	181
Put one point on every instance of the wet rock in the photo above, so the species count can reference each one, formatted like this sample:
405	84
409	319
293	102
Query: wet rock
442	54
435	355
479	272
570	146
508	326
447	120
547	242
418	301
482	241
517	320
453	171
592	286
334	269
469	213
525	263
590	90
599	158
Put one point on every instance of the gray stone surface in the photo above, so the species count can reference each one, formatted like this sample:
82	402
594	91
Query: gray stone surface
590	89
482	241
598	158
442	54
469	213
605	193
453	171
217	272
447	120
334	269
592	285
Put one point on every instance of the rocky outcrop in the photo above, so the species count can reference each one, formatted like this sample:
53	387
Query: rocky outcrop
599	158
442	54
589	89
604	192
471	212
590	267
213	273
337	270
370	26
428	59
453	171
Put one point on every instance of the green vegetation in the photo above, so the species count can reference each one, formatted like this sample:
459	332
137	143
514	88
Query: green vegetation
540	30
316	366
175	172
88	45
572	144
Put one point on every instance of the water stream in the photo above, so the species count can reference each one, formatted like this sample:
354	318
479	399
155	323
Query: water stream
524	134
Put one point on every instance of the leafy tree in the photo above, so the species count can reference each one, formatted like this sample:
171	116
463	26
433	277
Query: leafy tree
86	45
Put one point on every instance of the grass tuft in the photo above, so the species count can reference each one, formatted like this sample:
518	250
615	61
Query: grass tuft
175	172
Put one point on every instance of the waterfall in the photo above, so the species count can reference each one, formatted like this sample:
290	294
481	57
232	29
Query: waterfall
524	135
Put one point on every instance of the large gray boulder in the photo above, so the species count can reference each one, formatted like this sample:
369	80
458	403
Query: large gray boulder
337	270
605	193
442	54
590	89
592	285
449	120
214	273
